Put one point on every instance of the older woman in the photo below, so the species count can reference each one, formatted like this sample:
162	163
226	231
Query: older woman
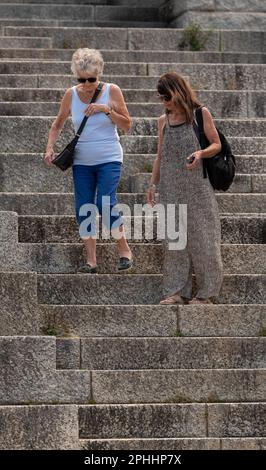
98	155
178	168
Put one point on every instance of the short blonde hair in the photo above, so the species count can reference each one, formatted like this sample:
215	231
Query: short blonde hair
87	60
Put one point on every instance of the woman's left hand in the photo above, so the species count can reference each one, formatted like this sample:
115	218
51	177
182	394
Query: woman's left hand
196	162
95	108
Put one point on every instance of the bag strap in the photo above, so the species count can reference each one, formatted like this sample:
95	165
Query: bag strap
81	127
200	134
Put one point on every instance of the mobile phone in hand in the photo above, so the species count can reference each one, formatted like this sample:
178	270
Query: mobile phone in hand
191	159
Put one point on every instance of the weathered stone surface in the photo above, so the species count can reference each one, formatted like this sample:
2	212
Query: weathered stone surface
175	386
8	227
64	229
63	203
80	289
65	258
108	38
46	11
19	307
29	374
105	320
248	443
150	444
237	420
222	20
155	320
172	353
133	55
218	320
29	427
68	353
141	421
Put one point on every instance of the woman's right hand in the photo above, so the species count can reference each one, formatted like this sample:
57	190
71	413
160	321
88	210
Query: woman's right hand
151	196
49	156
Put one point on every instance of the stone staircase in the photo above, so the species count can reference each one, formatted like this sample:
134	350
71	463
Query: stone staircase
93	362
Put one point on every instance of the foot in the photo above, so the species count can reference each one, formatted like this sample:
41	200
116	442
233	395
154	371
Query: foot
88	269
199	300
125	263
172	299
125	254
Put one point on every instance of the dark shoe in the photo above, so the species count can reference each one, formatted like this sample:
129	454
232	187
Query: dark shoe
124	263
87	268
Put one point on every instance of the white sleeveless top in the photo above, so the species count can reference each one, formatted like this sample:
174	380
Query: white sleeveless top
99	141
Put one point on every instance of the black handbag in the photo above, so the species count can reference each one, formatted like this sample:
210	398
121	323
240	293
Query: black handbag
65	159
220	168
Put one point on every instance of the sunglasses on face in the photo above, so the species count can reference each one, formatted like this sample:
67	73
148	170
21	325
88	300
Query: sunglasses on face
90	80
164	97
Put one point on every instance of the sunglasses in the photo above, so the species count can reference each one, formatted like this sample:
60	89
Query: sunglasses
164	97
90	80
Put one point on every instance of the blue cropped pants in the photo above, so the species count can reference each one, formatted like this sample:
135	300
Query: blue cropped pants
91	184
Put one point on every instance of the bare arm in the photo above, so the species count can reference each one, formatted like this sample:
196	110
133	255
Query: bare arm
119	115
211	134
59	122
155	178
213	138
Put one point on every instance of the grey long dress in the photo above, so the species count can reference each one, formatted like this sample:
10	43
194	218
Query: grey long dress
178	185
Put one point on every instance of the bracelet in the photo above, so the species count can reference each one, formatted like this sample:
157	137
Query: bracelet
152	185
109	112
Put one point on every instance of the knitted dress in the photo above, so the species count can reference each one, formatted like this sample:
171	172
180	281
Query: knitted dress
178	185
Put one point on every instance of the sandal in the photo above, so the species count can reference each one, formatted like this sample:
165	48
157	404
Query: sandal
87	268
172	300
198	300
124	263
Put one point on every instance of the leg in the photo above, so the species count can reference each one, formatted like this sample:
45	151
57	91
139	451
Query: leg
177	273
84	178
108	177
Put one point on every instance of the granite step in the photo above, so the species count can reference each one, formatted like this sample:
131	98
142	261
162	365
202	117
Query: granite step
221	103
172	420
231	106
136	289
75	12
27	172
63	203
29	373
154	320
246	229
37	130
25	80
229	20
148	144
242	183
64	258
21	51
139	39
178	386
100	316
133	353
208	443
211	76
25	42
113	427
79	23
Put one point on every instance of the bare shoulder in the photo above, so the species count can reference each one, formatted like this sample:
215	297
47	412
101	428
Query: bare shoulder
68	92
115	89
161	121
206	113
66	100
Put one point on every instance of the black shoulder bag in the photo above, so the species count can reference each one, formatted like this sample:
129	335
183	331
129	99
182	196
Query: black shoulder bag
65	159
220	168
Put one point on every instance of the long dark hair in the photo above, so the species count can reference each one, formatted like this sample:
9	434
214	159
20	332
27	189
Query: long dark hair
174	85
